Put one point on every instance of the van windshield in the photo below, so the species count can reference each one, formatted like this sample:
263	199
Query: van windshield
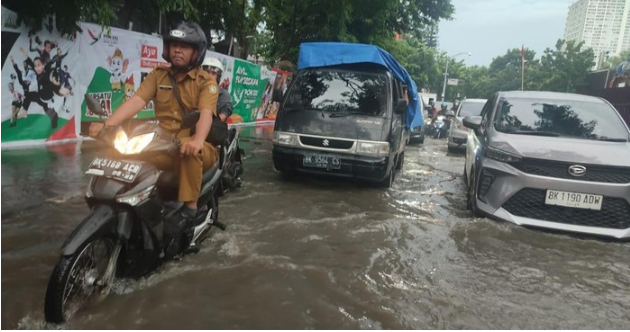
341	92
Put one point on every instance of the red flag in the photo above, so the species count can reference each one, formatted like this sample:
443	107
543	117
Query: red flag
523	52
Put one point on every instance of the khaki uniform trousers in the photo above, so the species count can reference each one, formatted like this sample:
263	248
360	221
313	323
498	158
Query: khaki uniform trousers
189	169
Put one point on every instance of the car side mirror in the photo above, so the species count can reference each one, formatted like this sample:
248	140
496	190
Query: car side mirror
401	106
472	122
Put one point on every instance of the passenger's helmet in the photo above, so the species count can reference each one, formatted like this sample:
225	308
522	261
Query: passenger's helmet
211	62
189	33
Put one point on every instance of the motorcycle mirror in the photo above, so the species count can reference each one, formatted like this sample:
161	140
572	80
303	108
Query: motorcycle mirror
94	105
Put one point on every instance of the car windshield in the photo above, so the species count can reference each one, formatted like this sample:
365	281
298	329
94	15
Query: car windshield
560	118
471	108
340	92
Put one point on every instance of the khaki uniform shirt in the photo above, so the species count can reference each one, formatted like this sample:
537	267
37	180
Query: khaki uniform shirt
197	91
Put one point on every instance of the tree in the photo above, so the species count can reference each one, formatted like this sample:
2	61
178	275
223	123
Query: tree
614	61
566	67
364	21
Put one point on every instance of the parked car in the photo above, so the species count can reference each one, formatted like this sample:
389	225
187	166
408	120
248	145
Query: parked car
459	133
345	114
551	160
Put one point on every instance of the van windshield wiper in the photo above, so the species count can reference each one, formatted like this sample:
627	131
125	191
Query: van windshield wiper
534	133
340	115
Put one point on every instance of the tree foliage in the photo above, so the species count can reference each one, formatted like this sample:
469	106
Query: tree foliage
562	69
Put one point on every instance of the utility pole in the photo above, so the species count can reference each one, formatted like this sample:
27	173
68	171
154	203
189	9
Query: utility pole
446	72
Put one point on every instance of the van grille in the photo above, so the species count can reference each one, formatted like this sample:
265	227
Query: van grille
530	203
326	142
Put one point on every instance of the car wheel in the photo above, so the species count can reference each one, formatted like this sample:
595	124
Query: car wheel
401	162
471	195
389	180
465	176
451	148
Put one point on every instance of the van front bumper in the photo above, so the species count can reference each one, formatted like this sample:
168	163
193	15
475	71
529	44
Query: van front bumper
373	169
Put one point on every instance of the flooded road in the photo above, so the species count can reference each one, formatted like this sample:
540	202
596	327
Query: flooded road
311	253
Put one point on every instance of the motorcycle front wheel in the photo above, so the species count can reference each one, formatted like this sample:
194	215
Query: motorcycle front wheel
80	279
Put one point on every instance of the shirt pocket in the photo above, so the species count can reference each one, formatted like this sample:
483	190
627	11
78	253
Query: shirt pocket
163	97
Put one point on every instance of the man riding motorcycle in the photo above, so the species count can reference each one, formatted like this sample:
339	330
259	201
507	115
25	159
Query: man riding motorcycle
185	48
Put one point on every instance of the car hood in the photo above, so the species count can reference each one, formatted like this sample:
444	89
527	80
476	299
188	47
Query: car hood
564	149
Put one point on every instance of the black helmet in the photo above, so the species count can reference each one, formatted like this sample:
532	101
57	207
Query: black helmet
189	33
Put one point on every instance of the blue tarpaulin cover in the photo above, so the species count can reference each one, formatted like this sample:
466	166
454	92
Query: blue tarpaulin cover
331	54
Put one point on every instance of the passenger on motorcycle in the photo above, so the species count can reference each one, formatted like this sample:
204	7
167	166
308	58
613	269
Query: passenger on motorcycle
214	68
185	49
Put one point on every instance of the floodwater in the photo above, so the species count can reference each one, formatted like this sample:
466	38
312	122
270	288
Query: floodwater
314	253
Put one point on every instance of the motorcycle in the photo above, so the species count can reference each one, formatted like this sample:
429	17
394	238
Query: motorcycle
122	236
439	125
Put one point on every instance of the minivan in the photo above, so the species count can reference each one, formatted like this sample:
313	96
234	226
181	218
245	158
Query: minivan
345	115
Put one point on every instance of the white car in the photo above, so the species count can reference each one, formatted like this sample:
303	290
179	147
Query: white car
458	133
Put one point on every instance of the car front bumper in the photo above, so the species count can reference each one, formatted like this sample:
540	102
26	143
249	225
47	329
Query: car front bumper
509	194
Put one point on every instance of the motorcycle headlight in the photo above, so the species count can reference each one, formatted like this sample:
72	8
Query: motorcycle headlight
285	138
134	145
137	198
377	149
501	155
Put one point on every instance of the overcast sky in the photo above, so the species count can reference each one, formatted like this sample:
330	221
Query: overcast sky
488	28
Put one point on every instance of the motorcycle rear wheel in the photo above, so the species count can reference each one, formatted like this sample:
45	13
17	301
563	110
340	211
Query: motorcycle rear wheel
76	280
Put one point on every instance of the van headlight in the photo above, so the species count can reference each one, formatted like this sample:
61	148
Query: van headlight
285	138
502	156
376	149
134	145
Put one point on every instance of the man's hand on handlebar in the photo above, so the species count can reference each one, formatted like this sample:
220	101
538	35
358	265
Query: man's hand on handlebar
191	147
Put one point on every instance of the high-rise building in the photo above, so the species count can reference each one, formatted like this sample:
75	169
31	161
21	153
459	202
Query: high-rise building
603	25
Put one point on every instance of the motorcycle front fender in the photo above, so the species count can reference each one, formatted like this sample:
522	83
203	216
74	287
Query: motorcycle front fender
101	219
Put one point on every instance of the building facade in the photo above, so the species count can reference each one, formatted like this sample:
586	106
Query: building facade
603	25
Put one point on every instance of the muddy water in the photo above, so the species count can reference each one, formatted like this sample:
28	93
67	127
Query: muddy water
319	253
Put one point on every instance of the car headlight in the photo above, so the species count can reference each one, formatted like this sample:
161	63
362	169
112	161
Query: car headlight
501	155
377	149
285	138
134	145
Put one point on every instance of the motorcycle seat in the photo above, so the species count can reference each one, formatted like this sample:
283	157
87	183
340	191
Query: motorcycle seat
170	180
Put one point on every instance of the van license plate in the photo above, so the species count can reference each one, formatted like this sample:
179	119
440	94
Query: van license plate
320	161
574	200
114	169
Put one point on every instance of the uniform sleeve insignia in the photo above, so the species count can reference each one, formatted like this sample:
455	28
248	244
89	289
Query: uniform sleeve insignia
213	89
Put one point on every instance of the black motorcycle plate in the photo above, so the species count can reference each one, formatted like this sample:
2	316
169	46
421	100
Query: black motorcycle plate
115	169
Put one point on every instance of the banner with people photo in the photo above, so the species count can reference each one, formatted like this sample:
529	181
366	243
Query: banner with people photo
46	74
272	95
39	73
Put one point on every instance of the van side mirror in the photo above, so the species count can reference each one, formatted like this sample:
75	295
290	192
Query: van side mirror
401	106
472	122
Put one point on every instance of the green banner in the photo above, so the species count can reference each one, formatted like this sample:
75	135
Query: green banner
247	89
